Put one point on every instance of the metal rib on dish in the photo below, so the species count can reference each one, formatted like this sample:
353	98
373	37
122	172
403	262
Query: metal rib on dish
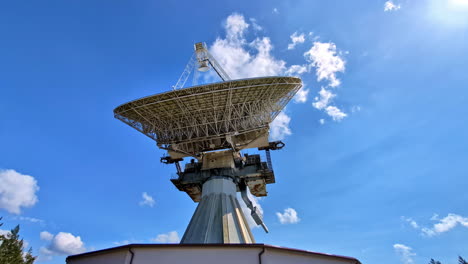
229	114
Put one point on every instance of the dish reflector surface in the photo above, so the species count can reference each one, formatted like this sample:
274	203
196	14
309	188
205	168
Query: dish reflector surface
193	120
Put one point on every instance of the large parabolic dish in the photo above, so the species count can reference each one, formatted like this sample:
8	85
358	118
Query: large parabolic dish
232	114
213	123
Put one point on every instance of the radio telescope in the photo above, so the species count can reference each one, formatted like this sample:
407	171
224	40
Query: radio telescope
209	125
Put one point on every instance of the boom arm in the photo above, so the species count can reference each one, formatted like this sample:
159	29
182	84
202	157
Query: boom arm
220	71
183	78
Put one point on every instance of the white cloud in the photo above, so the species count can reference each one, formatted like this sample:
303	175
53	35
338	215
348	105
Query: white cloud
255	26
324	99
44	235
322	102
241	58
288	217
405	253
327	62
322	121
275	11
264	64
147	200
428	231
171	237
4	232
296	70
16	191
335	113
235	27
279	128
29	219
445	224
62	244
414	224
411	222
390	6
296	39
301	95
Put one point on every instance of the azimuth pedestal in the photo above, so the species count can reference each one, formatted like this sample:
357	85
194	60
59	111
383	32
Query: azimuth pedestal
213	182
218	217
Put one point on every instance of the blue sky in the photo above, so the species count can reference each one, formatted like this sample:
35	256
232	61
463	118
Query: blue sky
376	149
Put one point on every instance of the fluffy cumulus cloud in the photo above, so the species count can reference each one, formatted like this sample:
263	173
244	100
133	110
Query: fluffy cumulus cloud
391	6
296	39
147	200
61	244
279	128
442	225
241	58
327	62
301	95
323	99
405	253
445	224
171	237
322	102
17	191
289	216
44	235
296	70
335	113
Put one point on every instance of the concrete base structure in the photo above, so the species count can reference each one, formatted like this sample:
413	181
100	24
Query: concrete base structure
218	217
206	254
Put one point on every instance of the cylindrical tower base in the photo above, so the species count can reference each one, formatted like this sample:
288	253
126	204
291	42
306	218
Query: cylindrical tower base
218	217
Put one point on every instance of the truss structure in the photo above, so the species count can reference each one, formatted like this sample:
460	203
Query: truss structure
212	123
202	58
230	114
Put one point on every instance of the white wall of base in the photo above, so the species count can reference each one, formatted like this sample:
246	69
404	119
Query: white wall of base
205	254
